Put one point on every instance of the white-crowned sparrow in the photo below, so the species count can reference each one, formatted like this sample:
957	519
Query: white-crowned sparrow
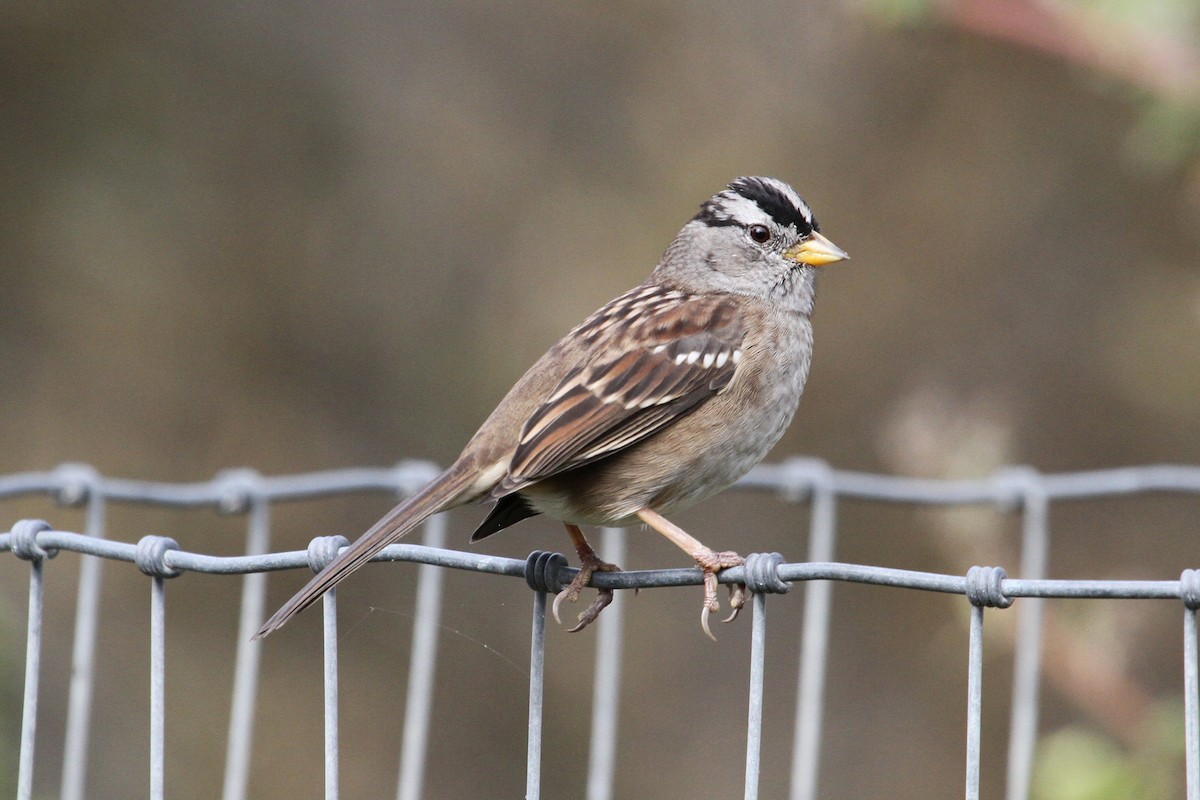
665	396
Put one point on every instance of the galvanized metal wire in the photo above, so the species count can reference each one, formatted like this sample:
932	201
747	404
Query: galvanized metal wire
245	492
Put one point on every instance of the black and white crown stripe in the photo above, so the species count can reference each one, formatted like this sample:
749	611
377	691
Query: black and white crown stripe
747	199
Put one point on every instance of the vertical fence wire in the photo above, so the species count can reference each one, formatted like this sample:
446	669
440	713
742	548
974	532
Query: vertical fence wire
245	679
537	669
814	647
83	657
606	689
1027	658
329	631
158	667
974	700
758	651
33	653
1191	701
422	669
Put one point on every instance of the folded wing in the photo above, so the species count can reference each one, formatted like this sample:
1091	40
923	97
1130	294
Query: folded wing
642	377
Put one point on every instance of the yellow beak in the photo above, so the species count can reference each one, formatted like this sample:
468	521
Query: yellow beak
816	251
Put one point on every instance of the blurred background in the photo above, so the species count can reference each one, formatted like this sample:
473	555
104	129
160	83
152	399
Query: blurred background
310	235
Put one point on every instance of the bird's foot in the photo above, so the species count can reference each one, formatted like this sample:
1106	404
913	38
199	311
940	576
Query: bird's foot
590	564
712	562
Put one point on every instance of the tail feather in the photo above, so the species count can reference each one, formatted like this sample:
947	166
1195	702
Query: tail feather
509	510
443	492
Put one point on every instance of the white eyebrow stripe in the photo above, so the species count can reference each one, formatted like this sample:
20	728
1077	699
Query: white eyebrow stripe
743	210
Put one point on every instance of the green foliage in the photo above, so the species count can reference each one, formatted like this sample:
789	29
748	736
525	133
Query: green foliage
1165	15
1152	48
899	12
1166	136
1078	763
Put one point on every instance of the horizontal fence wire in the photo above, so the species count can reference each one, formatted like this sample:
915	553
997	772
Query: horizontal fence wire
245	492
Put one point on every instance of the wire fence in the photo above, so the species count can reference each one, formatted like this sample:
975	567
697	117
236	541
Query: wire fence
245	492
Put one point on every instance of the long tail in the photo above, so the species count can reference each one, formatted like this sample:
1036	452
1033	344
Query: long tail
443	492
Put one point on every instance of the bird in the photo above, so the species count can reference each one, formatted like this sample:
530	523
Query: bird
663	397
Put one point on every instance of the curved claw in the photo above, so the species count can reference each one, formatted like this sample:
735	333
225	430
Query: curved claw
558	598
575	588
589	614
712	563
704	623
737	600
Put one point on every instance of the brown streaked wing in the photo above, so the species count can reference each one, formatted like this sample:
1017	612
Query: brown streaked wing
646	376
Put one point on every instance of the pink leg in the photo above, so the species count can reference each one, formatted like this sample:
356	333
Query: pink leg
589	563
709	560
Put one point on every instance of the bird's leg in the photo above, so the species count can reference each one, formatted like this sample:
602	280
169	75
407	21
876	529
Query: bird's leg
589	563
710	561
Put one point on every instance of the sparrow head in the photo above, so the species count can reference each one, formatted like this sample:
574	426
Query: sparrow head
757	237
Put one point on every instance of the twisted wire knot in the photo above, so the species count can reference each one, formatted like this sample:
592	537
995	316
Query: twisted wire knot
541	571
984	587
1189	589
150	556
237	489
761	571
323	550
76	483
23	540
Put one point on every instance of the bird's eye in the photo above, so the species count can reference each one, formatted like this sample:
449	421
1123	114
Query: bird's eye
759	233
